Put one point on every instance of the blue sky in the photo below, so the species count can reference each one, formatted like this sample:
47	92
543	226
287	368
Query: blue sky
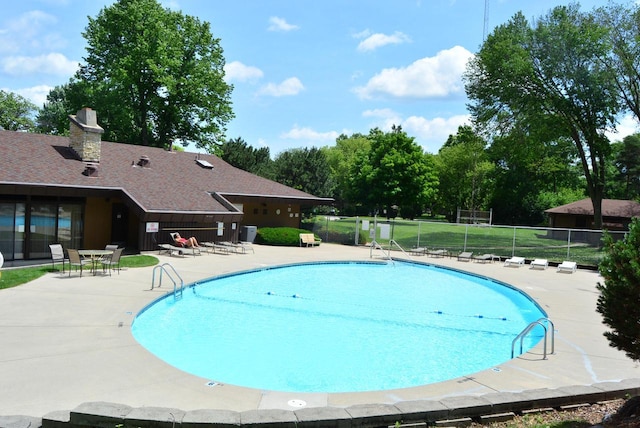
303	71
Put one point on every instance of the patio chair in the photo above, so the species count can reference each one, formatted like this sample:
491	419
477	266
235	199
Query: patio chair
75	260
567	266
113	261
57	256
517	261
465	256
540	264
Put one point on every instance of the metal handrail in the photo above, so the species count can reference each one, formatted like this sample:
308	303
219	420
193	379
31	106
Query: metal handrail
530	327
162	269
387	254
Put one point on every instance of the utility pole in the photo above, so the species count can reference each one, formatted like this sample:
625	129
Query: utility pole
485	28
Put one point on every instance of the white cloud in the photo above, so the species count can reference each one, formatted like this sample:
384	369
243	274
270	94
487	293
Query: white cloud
429	77
628	125
290	86
374	41
36	94
237	71
280	24
308	134
52	64
431	134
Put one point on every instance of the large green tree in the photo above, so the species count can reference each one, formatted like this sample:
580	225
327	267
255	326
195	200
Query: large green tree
241	155
341	158
619	300
623	59
395	172
550	74
625	169
155	76
464	173
16	112
305	169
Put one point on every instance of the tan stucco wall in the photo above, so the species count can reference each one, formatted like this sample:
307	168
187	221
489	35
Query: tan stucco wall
271	215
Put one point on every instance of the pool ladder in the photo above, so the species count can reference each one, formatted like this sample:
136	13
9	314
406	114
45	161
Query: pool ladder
540	322
177	290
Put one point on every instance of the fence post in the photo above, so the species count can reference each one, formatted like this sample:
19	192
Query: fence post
357	234
418	244
568	244
513	248
466	232
326	237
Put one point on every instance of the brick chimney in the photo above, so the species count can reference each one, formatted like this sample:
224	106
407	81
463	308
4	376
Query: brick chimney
85	135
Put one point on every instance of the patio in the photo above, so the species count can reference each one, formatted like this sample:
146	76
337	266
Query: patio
66	341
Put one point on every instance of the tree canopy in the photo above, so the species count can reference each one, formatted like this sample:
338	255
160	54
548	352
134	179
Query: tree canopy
549	74
16	112
155	77
393	173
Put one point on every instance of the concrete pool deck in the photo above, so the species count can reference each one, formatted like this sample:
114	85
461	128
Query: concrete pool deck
67	341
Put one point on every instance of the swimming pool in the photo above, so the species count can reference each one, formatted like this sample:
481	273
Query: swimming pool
338	327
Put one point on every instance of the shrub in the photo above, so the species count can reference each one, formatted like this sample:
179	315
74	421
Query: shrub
619	300
281	236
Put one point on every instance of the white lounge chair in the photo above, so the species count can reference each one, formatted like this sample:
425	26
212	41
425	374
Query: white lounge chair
540	263
180	251
465	256
567	266
517	261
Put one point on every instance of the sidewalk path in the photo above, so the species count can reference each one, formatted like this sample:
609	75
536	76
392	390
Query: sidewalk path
65	341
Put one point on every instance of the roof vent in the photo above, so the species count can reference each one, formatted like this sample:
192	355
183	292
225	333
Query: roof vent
203	163
144	162
90	169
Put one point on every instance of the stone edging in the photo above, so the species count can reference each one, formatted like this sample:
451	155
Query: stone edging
456	408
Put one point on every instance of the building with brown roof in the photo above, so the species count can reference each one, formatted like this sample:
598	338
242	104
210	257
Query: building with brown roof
86	193
616	214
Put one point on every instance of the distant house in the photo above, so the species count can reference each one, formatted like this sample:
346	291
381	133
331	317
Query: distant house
86	193
616	214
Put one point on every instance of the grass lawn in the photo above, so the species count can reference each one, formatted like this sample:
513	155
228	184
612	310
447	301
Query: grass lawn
14	277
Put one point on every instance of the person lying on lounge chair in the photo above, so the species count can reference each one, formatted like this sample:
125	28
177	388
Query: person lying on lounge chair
184	242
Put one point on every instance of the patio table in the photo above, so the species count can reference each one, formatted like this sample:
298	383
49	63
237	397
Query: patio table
96	256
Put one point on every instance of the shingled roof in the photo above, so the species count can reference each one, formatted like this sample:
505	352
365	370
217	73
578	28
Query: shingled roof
172	181
610	208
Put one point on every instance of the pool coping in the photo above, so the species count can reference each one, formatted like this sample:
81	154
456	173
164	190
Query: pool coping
41	378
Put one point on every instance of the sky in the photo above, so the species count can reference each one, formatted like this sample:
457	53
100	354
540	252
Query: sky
303	72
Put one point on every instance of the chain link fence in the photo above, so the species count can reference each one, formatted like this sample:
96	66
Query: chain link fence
580	245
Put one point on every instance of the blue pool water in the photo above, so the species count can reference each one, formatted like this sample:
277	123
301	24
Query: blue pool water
338	327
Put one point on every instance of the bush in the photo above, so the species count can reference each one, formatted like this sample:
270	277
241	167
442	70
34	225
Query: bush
619	300
280	236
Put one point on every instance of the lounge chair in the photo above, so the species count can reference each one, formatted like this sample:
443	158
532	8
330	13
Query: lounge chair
465	256
438	253
567	266
57	256
540	263
517	261
418	251
172	249
212	247
238	247
484	258
309	239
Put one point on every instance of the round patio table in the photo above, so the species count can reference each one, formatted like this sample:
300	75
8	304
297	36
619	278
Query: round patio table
96	256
